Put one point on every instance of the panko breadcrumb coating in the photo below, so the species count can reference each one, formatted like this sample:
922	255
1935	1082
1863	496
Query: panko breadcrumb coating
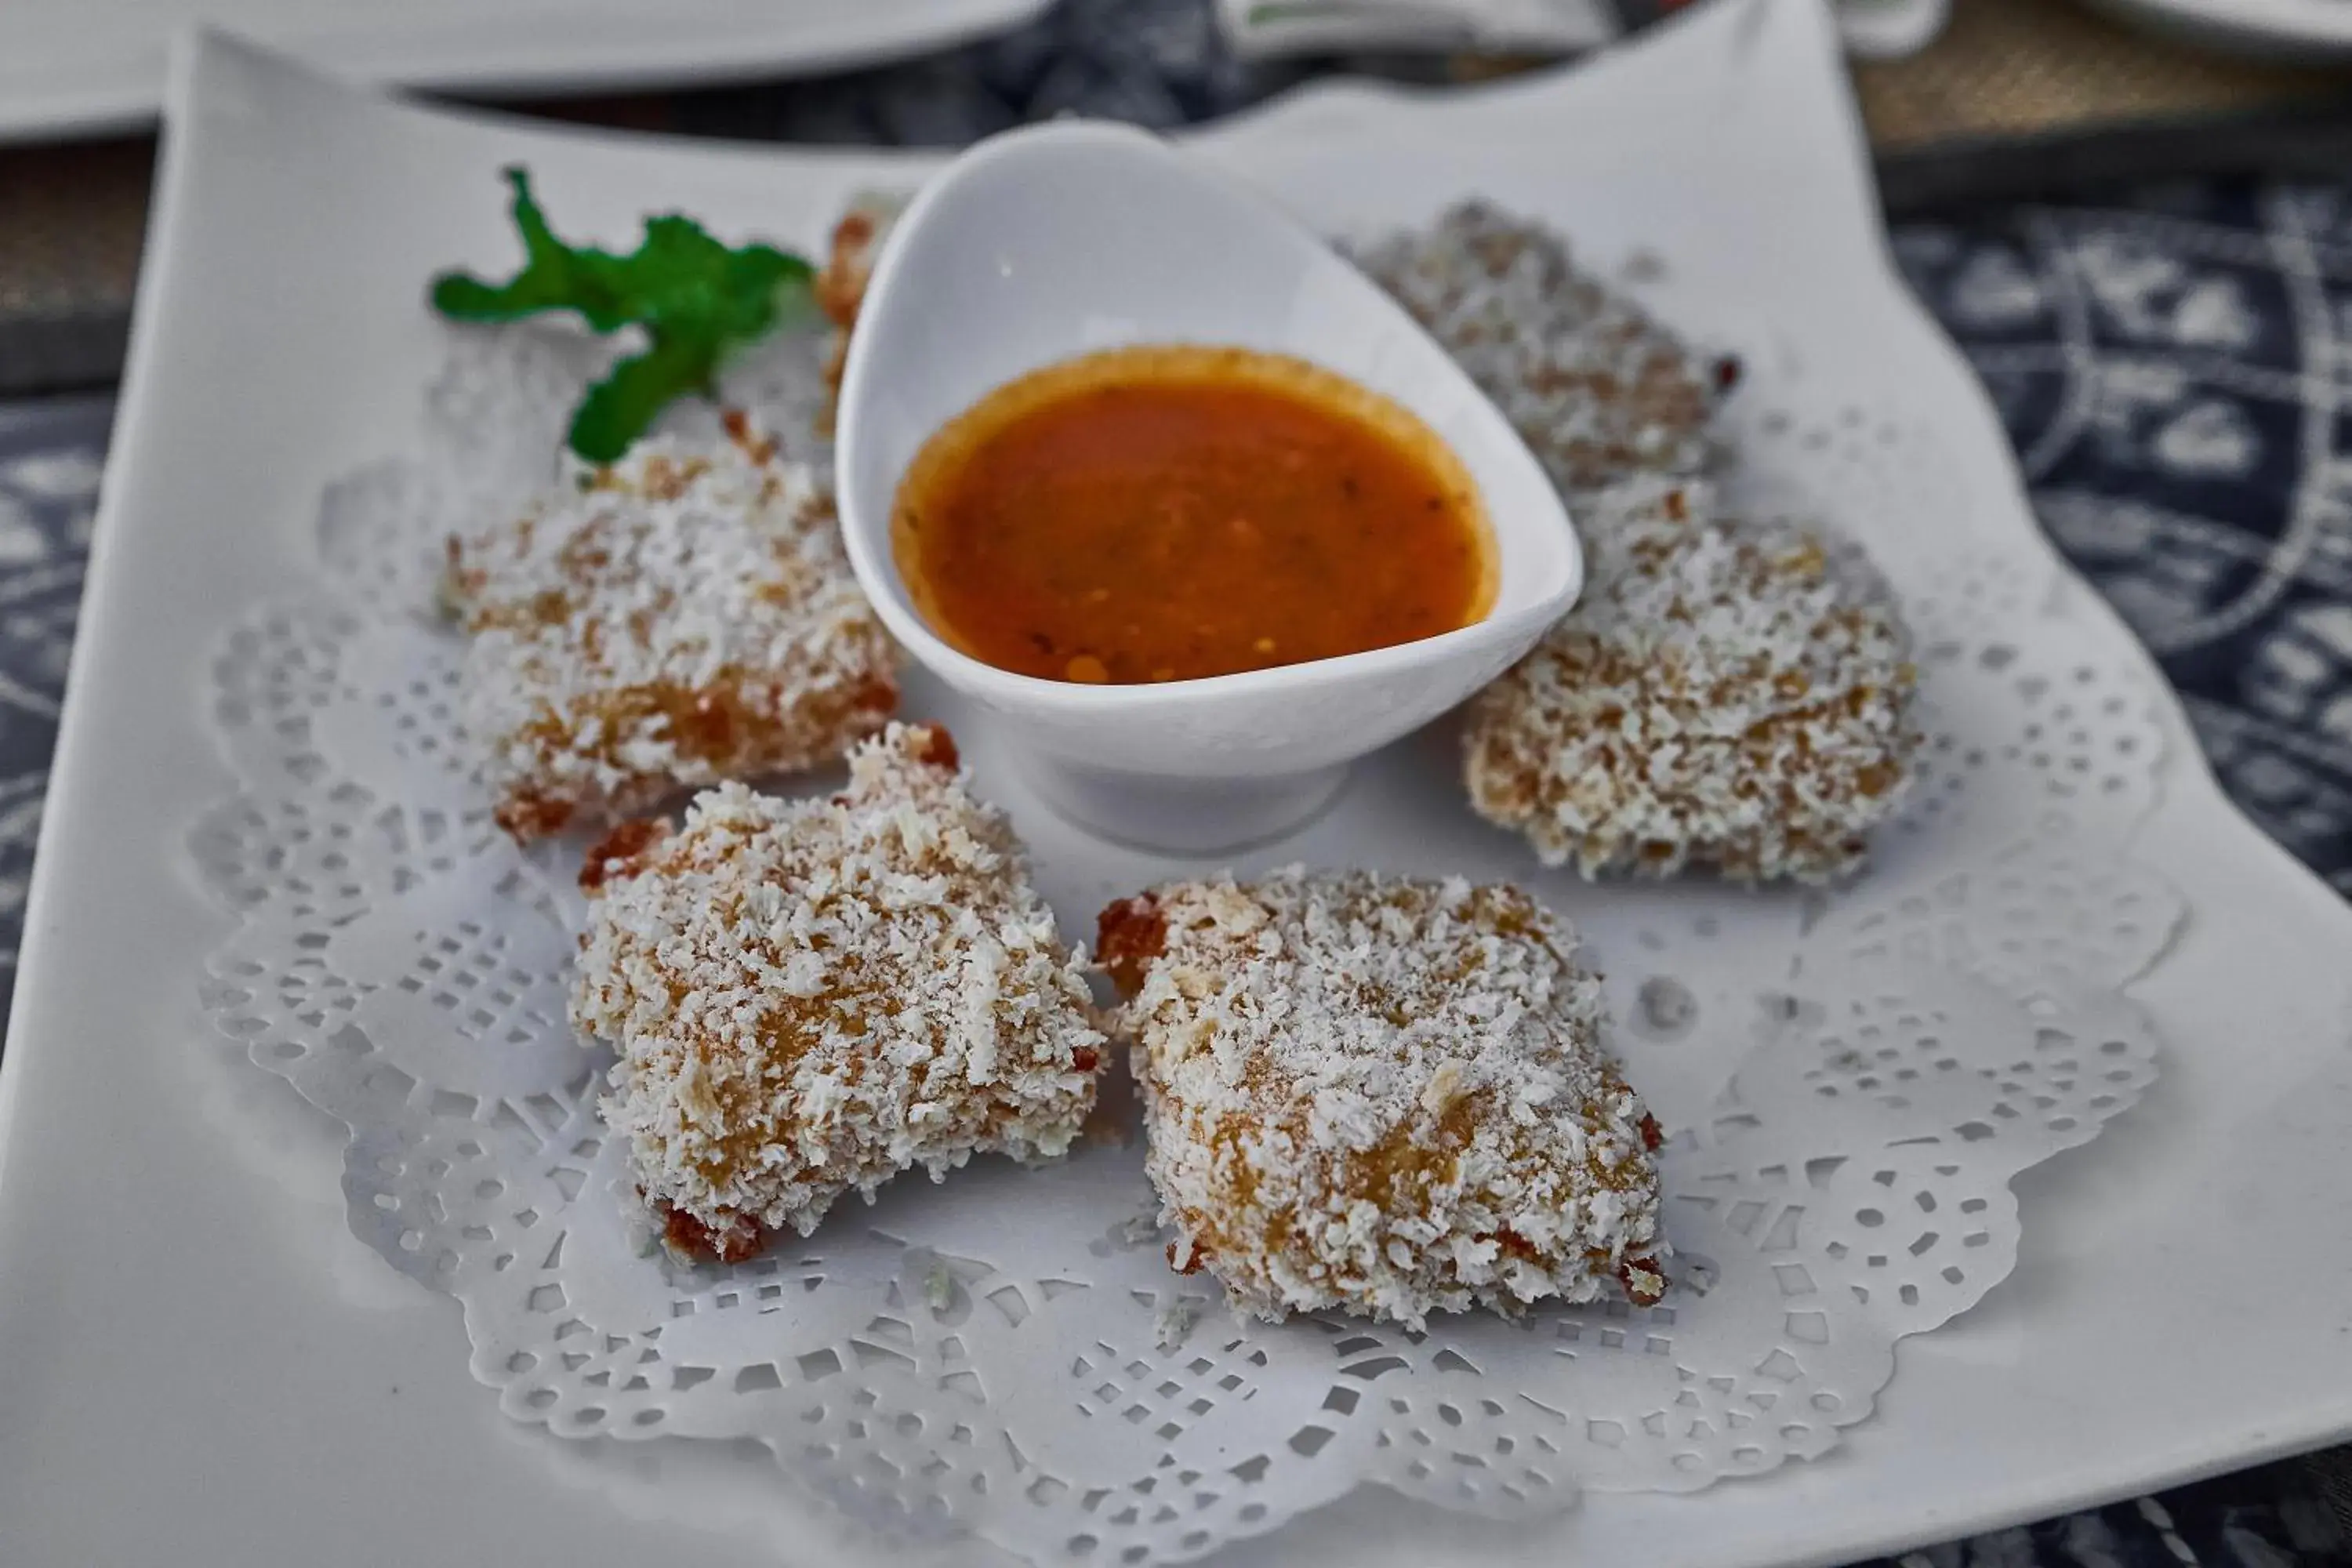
1598	390
684	617
1729	694
849	267
1383	1096
812	996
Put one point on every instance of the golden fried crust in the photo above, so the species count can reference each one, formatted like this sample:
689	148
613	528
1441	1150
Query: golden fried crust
1725	694
840	286
621	853
1381	1096
808	998
685	617
685	1236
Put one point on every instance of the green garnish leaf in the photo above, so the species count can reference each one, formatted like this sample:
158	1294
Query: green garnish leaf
699	301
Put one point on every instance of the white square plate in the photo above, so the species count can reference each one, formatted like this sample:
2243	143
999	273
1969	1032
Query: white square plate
77	68
199	1364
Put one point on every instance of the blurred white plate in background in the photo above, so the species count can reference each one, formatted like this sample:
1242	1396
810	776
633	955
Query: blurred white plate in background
77	68
1262	27
2286	30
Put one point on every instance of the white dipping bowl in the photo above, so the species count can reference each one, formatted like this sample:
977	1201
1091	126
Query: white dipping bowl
1059	240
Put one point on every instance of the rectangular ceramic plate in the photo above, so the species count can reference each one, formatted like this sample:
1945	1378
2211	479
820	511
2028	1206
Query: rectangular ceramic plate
201	1366
75	67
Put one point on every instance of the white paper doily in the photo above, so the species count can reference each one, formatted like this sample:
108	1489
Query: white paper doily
1008	1353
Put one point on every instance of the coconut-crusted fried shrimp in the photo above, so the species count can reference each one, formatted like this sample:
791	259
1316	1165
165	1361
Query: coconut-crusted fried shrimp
849	267
1597	389
1729	694
683	617
812	996
1383	1096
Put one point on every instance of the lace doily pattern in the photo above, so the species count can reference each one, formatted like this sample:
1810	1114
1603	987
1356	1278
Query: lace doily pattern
1853	1079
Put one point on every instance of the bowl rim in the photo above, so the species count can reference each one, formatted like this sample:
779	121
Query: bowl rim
871	560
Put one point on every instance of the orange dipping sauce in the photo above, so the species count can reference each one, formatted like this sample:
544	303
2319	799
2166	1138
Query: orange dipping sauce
1171	512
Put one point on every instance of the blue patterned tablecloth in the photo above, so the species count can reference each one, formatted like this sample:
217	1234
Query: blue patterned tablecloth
2173	363
2175	367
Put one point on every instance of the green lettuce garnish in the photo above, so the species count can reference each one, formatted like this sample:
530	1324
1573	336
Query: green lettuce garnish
699	302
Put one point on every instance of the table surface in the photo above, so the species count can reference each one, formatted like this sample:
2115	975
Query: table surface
2168	360
2014	95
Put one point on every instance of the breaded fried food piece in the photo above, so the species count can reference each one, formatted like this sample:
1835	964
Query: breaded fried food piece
849	267
683	617
1726	694
1597	389
1382	1095
811	996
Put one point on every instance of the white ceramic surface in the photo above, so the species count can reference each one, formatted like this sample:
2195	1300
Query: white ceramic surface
1044	243
2292	31
200	1366
1874	29
1308	27
1890	29
80	68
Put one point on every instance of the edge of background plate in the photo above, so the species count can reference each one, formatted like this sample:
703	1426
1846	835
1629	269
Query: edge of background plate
74	112
2281	30
520	57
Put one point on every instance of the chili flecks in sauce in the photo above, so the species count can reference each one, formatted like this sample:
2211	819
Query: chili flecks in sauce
1167	512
